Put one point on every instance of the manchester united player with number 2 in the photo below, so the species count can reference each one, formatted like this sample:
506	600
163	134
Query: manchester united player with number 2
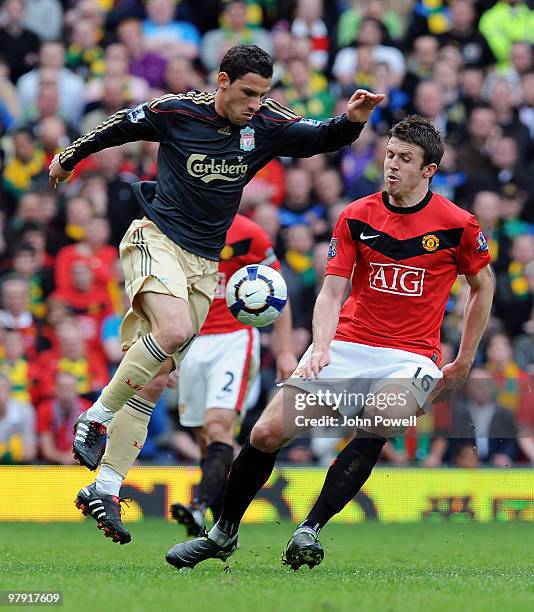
403	249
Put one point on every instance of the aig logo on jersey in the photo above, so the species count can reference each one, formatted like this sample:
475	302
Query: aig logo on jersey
397	279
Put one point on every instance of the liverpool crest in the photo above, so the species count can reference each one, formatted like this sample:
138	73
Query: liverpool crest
247	140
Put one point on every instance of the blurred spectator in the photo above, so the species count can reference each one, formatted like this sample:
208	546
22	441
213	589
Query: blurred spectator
44	18
421	63
464	33
15	314
78	211
430	103
17	428
480	422
486	209
146	64
307	91
18	45
180	76
350	20
513	299
299	274
70	85
505	22
166	36
473	155
526	108
370	37
109	190
513	385
94	250
426	17
27	163
234	30
14	365
298	206
56	418
505	169
88	301
72	355
136	90
471	81
308	23
504	101
328	187
10	105
449	181
84	54
40	279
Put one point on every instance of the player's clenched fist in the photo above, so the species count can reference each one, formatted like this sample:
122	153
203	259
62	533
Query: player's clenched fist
361	105
56	174
315	364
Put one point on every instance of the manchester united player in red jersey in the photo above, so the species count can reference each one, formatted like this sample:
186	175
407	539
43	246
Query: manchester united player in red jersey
403	250
219	369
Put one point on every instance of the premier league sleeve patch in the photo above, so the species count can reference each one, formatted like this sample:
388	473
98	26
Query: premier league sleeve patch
137	114
332	249
482	244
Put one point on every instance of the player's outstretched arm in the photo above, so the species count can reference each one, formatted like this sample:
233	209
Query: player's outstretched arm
306	137
127	125
286	361
325	320
476	315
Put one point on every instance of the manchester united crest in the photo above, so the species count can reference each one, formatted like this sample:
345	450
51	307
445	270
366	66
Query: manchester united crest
247	140
430	243
227	252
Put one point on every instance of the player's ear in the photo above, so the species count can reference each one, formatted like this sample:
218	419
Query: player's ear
223	80
430	170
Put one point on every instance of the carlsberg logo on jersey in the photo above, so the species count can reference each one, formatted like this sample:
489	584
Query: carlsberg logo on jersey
208	170
397	279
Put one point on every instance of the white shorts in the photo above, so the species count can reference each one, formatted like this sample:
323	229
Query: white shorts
217	372
360	370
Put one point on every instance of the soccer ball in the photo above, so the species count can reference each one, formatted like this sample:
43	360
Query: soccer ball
256	295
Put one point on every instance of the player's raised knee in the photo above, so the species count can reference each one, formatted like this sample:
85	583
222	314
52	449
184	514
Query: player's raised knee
266	436
174	334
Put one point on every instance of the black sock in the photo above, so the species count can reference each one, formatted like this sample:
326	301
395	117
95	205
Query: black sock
217	505
345	477
250	471
215	468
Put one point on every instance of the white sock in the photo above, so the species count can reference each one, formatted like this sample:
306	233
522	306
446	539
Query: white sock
108	481
219	536
99	413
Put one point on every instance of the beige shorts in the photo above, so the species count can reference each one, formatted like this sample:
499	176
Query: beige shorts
152	262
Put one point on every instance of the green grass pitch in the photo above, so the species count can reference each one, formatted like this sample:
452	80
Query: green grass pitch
368	566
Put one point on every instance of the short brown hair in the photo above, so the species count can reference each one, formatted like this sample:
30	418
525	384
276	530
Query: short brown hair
419	131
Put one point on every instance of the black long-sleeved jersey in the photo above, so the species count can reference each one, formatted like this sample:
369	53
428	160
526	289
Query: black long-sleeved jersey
204	161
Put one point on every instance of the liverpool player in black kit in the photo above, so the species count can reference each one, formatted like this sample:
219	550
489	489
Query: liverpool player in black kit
211	145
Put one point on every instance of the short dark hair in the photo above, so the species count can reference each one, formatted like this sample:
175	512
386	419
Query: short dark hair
242	59
419	131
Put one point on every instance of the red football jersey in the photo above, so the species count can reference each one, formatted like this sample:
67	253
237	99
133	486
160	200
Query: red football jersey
246	243
407	260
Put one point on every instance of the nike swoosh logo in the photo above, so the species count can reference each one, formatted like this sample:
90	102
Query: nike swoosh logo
362	237
247	295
